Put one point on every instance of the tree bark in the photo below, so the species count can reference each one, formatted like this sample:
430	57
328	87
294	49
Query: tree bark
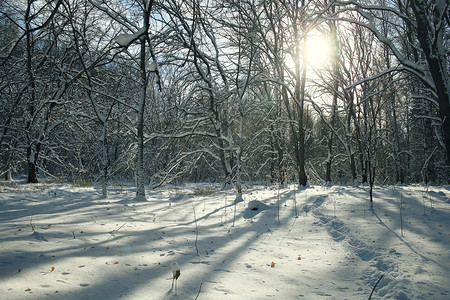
431	42
335	62
300	82
32	154
140	182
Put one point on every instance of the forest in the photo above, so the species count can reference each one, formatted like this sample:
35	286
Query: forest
235	149
320	92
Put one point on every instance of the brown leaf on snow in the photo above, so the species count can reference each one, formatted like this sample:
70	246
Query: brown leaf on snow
52	269
28	290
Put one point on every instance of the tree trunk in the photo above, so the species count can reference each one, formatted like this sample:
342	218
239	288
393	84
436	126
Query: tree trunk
226	165
432	43
32	167
105	163
32	155
351	153
330	136
335	62
399	178
300	99
140	182
8	175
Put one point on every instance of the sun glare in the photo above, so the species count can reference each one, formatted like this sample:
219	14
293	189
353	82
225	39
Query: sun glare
318	51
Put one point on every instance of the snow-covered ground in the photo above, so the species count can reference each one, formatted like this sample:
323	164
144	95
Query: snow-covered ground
59	241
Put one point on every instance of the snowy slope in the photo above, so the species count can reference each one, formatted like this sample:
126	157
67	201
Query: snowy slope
59	241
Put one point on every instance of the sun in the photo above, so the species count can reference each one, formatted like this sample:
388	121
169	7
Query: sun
317	51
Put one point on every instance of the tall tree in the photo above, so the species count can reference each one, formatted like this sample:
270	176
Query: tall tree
141	35
428	22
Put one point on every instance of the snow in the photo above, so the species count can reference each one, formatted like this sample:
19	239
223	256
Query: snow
60	241
140	198
152	67
125	39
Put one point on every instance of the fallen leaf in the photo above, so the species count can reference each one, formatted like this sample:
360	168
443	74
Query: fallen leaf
299	258
116	263
20	229
107	263
53	269
27	290
20	270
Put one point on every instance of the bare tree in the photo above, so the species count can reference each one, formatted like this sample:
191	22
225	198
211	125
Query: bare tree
427	21
139	34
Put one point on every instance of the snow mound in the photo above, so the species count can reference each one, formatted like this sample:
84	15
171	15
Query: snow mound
39	236
239	198
256	205
140	198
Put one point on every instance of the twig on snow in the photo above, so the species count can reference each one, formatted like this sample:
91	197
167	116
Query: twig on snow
373	289
199	290
196	230
31	223
176	273
115	231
